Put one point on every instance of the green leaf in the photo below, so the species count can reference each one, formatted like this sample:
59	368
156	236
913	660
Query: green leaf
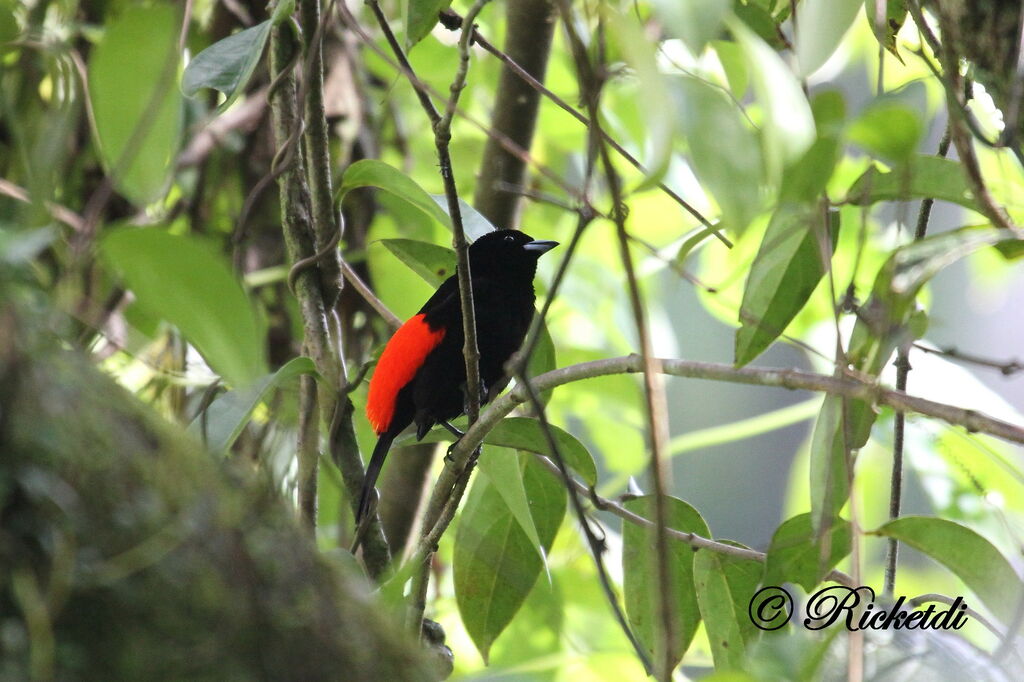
718	610
502	467
137	108
788	129
970	556
8	25
227	415
495	566
796	554
543	360
724	150
433	263
228	64
373	173
696	23
886	30
758	20
888	128
783	275
474	224
640	576
881	325
420	17
187	282
822	25
922	176
838	431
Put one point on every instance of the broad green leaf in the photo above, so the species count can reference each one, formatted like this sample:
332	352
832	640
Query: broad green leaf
886	314
535	634
137	106
228	64
821	27
696	23
640	576
433	263
718	610
226	416
743	577
420	17
373	173
474	224
724	151
187	282
784	274
922	176
885	30
758	20
501	466
730	55
888	128
970	556
657	112
495	566
838	431
788	128
543	359
8	24
796	553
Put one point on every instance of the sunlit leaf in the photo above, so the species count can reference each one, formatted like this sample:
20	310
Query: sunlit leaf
922	176
222	422
821	27
724	150
420	18
474	224
189	283
971	557
718	609
885	31
696	22
433	263
495	566
135	101
795	554
373	173
502	467
640	576
889	129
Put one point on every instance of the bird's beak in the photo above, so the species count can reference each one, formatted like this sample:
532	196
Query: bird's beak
539	246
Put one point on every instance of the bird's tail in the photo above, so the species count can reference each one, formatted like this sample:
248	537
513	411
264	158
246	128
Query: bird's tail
380	452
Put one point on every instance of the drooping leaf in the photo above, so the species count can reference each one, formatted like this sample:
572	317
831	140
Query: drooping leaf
433	263
788	129
641	590
784	274
696	23
187	282
474	224
373	173
840	429
922	176
822	25
970	556
543	359
138	109
495	566
718	609
760	21
885	30
724	151
228	64
796	554
888	128
502	467
420	17
226	416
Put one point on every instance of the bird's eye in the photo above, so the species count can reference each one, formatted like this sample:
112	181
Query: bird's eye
509	238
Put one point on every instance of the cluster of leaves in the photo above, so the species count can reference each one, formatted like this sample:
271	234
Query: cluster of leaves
797	181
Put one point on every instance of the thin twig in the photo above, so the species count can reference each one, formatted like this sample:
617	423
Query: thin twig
1006	368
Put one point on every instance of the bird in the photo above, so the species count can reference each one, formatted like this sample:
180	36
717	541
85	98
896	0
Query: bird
421	374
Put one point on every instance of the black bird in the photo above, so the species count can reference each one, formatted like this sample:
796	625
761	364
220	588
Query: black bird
421	375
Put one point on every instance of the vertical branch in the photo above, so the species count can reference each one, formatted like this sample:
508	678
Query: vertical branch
899	421
308	452
297	225
530	29
654	393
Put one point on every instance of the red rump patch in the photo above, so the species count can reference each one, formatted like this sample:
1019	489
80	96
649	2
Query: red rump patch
402	357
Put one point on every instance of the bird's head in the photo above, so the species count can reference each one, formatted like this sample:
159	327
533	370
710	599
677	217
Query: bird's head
507	252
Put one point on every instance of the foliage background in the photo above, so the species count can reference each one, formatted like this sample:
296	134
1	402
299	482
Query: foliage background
146	219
